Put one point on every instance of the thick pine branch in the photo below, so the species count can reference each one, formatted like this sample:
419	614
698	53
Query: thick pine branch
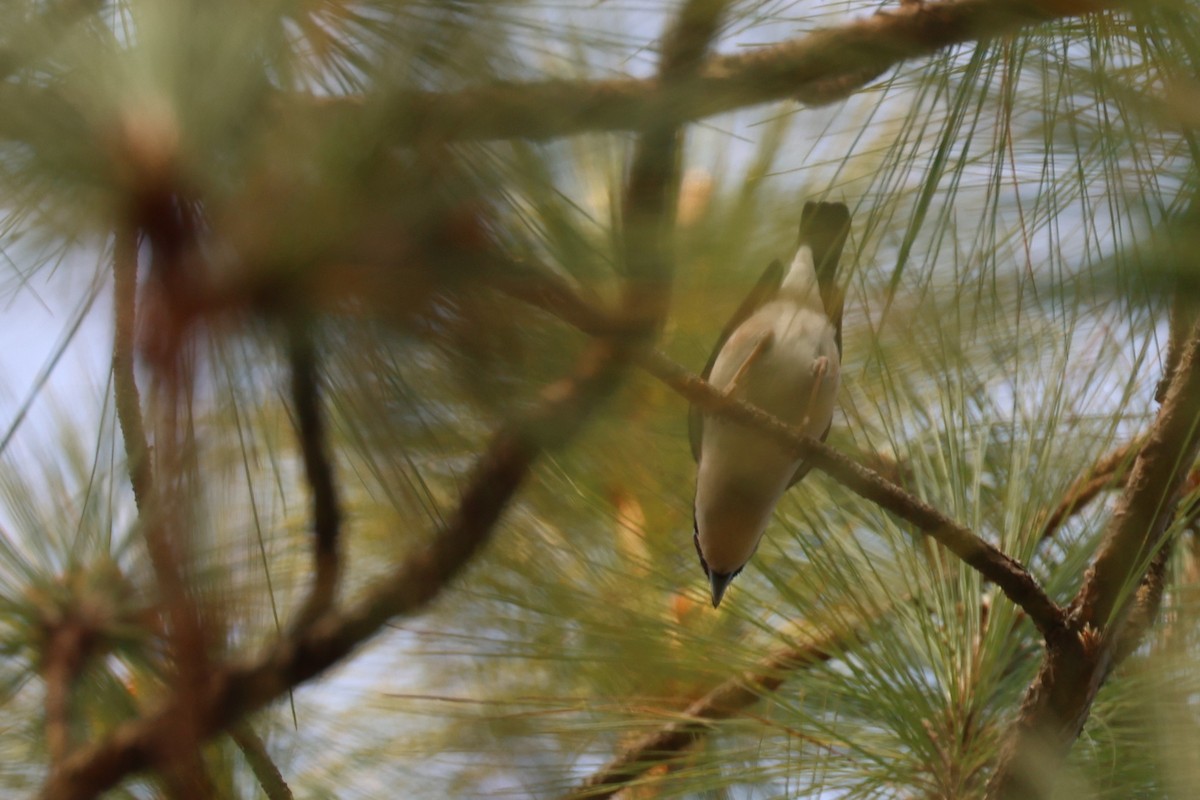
1059	700
824	66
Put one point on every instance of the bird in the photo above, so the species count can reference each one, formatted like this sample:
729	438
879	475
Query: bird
781	352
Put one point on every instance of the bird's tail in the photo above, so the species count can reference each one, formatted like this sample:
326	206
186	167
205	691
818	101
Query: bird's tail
823	227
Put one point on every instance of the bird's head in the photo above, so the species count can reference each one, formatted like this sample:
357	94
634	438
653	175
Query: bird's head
718	581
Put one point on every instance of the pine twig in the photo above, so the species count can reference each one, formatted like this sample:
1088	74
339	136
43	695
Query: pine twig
254	749
1109	472
318	469
728	699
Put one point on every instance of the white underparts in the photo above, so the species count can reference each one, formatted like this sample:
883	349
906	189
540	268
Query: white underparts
783	359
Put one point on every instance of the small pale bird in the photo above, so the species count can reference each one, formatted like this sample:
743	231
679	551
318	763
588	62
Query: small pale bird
782	352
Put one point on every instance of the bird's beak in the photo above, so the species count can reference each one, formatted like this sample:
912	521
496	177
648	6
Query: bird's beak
720	582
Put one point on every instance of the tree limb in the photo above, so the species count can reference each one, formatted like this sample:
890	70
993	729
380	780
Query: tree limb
726	700
318	469
1108	472
254	749
824	66
1058	702
185	770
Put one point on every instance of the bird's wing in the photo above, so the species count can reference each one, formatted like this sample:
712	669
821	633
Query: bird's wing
824	227
764	290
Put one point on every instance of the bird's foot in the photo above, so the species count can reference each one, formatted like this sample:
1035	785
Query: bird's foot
820	368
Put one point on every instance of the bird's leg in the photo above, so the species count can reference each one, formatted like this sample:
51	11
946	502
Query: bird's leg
820	368
764	341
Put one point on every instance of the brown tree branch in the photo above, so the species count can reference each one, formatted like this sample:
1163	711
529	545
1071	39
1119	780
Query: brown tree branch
318	469
66	646
254	749
824	66
1058	702
1107	473
186	770
821	67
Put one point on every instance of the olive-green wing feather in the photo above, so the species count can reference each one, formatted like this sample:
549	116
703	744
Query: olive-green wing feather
764	290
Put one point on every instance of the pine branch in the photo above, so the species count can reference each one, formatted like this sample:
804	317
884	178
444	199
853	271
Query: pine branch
824	66
318	469
254	749
1109	472
1059	700
185	768
726	700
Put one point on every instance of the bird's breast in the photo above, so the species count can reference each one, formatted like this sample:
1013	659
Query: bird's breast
785	361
